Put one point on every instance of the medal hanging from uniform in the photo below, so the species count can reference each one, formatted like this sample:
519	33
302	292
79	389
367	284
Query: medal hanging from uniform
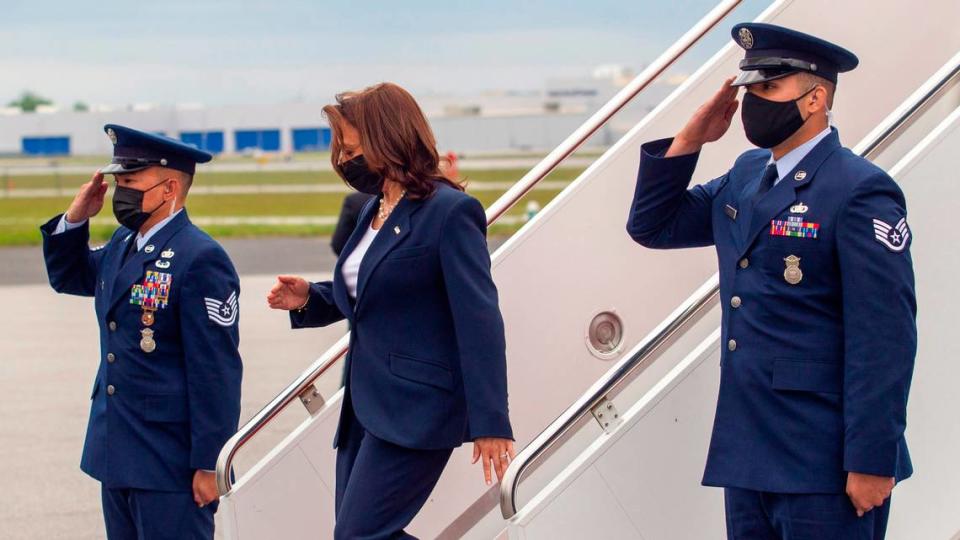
151	295
795	227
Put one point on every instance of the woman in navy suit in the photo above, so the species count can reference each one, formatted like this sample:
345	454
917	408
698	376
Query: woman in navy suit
426	370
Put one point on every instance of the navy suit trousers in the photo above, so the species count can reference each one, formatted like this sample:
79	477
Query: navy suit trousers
380	486
136	514
758	515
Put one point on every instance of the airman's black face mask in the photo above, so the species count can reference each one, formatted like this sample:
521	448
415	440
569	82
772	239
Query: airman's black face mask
128	206
768	123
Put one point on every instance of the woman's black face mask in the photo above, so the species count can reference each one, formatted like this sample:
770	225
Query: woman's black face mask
358	174
768	123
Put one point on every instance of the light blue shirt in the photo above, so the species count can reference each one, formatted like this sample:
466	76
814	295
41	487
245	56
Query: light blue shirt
792	158
142	239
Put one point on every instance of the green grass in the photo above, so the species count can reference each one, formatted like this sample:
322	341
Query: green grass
70	183
17	160
20	218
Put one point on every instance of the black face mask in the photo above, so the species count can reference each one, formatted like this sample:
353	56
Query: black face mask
768	123
128	206
358	174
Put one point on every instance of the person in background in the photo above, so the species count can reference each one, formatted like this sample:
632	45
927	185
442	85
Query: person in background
347	222
426	369
817	288
167	392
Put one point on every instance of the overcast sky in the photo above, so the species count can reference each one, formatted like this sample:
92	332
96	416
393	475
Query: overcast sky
239	51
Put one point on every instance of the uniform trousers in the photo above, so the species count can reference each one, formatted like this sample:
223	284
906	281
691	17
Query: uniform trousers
758	515
136	514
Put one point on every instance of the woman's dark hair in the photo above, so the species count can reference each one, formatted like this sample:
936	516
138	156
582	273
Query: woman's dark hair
397	141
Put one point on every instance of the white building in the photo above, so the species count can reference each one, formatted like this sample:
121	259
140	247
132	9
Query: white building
489	122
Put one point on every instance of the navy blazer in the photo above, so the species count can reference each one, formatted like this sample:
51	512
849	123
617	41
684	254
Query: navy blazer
427	364
155	417
819	309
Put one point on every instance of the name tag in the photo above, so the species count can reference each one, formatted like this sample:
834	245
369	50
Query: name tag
795	227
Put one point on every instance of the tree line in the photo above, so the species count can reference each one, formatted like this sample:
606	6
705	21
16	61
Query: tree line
30	101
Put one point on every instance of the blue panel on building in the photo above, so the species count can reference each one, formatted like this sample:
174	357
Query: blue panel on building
270	140
45	146
267	140
245	139
311	139
211	141
192	137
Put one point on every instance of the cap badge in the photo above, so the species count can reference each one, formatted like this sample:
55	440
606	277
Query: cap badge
112	134
746	38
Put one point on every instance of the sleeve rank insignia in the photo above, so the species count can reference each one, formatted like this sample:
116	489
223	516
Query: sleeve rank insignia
893	237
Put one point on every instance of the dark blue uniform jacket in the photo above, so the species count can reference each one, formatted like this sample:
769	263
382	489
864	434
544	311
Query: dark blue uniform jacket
156	417
815	371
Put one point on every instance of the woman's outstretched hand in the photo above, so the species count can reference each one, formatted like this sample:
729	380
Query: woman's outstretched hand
290	292
495	453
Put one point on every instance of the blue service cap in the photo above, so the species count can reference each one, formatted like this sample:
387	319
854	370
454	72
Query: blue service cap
773	52
134	150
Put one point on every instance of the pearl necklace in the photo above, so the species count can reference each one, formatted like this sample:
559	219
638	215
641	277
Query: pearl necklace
385	210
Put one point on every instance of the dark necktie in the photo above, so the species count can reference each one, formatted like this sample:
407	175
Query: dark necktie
769	177
131	250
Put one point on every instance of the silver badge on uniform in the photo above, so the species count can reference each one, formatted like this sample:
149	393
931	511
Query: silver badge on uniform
147	344
163	264
800	176
149	249
396	230
746	38
792	274
799	209
112	134
167	254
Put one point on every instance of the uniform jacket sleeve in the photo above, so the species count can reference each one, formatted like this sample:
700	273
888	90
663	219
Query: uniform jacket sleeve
880	333
665	214
321	308
72	267
211	340
465	262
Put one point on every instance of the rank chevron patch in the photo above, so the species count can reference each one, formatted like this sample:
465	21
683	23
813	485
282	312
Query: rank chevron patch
223	313
895	238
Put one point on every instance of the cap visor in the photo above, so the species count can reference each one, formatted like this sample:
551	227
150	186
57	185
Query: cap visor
116	168
754	76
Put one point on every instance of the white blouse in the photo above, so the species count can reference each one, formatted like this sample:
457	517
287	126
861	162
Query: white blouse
351	266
